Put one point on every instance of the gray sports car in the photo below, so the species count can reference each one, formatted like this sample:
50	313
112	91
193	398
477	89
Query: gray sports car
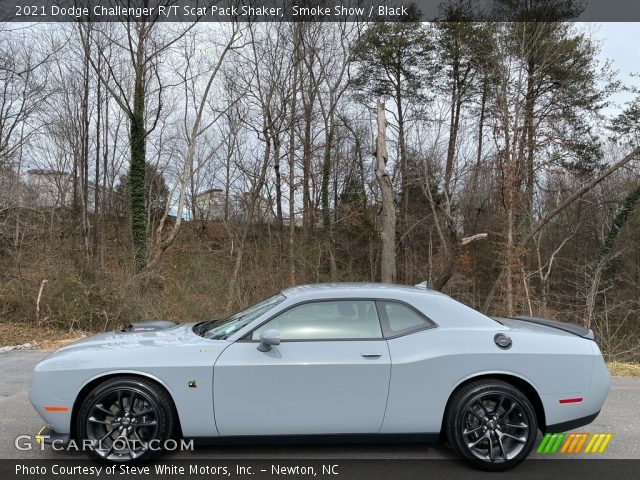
339	361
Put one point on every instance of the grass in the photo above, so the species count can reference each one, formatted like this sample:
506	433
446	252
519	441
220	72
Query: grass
621	369
44	338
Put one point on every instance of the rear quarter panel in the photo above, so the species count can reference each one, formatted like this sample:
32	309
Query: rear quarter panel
427	367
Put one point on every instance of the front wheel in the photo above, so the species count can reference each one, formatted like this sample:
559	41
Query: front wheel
492	424
125	419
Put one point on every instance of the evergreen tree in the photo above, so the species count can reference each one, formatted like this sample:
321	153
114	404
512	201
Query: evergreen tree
395	60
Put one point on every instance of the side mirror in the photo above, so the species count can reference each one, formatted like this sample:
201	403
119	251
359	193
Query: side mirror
269	338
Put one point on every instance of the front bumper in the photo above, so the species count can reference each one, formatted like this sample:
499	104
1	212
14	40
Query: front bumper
49	436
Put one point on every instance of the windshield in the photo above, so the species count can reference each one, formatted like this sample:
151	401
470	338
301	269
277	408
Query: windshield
222	329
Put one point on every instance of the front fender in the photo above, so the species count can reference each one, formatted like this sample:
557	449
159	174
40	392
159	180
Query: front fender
60	379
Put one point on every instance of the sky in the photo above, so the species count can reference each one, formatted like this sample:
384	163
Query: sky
620	42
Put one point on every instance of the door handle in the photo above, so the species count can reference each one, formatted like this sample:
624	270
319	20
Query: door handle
371	355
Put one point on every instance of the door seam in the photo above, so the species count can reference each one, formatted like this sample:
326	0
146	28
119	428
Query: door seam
386	403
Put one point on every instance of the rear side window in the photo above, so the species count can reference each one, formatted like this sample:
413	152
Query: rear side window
400	319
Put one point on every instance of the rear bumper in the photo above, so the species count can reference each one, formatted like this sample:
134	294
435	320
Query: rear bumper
571	424
561	417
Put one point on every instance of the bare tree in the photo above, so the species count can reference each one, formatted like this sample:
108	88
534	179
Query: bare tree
387	212
144	45
198	127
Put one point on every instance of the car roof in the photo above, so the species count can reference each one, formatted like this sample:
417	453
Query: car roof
356	289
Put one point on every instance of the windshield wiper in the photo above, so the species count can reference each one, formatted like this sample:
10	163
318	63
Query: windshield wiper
201	327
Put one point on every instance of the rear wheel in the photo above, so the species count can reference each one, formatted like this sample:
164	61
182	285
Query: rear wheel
126	418
492	424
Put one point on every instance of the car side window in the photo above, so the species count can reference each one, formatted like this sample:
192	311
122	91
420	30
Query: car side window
327	320
400	319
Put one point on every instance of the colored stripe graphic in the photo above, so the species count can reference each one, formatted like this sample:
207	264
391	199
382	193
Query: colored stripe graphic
598	442
573	443
558	442
550	443
567	442
543	443
581	443
590	444
605	443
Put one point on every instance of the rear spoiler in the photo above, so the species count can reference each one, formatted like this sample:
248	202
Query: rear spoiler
583	332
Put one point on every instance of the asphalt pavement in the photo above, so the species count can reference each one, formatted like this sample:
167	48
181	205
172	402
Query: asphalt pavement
620	416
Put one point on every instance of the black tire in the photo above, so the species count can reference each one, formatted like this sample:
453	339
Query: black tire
127	419
491	424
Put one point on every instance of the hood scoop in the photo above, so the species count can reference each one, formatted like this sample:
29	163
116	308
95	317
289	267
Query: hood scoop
150	326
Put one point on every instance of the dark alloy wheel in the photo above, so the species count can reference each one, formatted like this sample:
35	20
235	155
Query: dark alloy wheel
126	419
492	424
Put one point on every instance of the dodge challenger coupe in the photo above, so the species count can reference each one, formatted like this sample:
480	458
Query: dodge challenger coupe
327	361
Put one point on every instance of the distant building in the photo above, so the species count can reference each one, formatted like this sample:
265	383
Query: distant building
209	205
173	213
51	188
11	189
263	210
54	189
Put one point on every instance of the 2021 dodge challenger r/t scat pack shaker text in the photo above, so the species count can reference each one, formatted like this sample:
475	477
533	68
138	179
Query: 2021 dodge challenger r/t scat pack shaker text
332	361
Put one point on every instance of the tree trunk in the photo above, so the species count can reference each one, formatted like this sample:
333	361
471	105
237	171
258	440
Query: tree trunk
326	212
103	207
86	227
453	130
292	158
137	190
404	181
96	184
387	215
483	103
307	214
476	173
227	171
510	250
276	167
326	176
530	145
